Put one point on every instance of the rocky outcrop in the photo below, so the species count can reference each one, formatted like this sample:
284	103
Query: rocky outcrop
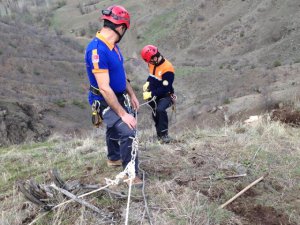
21	122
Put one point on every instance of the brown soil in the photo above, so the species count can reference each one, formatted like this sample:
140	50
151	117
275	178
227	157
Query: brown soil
245	207
287	115
258	214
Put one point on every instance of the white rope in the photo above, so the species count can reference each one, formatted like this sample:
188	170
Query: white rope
130	168
152	99
128	171
128	202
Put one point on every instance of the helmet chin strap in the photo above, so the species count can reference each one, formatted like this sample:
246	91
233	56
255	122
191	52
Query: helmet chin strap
158	62
118	33
120	36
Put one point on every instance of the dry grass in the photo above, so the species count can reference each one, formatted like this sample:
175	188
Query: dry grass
175	190
75	159
267	147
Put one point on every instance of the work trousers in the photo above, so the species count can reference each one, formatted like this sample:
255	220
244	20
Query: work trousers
160	116
119	138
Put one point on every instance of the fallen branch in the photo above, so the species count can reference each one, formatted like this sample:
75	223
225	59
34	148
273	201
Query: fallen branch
68	201
76	199
28	195
145	199
118	194
228	177
242	191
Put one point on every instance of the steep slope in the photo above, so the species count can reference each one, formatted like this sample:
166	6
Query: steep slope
43	72
222	50
242	54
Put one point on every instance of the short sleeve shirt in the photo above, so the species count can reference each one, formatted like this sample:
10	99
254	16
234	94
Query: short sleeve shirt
101	56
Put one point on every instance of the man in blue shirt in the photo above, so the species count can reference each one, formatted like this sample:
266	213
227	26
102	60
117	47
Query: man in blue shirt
109	87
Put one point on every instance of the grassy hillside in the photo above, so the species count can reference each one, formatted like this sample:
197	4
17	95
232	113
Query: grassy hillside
221	51
185	181
232	58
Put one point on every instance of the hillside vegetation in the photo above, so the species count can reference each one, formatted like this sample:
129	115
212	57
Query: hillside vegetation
240	54
185	181
232	58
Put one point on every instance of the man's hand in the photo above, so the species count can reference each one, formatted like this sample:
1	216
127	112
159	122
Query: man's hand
134	102
145	86
147	95
129	120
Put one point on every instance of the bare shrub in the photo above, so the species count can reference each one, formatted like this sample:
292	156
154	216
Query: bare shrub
82	32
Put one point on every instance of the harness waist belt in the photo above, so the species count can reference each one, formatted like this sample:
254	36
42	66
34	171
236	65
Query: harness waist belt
164	95
96	91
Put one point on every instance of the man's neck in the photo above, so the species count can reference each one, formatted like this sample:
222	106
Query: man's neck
109	35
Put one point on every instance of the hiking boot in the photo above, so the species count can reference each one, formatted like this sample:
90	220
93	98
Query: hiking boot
111	163
165	139
137	182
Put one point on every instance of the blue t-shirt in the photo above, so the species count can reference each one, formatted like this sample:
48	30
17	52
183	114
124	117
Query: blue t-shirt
101	56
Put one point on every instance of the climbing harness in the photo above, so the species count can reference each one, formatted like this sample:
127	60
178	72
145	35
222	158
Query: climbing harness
96	114
127	104
174	112
98	109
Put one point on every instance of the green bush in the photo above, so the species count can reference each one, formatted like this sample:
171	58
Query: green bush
21	70
277	63
226	101
82	32
79	104
61	4
36	73
12	45
60	102
58	32
296	61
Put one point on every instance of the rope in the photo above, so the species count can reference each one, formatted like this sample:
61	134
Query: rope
143	188
152	99
147	103
145	199
128	202
128	171
174	112
135	146
131	173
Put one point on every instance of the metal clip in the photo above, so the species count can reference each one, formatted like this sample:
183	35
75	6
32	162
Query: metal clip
96	118
127	104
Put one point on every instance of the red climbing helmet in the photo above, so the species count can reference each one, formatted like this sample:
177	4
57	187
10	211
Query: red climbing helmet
116	14
148	52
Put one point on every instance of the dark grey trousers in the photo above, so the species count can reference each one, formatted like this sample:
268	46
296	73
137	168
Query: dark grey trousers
160	115
119	138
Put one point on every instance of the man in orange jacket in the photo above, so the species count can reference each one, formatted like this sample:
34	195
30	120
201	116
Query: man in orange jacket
159	85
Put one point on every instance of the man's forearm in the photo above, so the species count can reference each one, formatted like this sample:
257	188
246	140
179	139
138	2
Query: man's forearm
129	89
112	101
